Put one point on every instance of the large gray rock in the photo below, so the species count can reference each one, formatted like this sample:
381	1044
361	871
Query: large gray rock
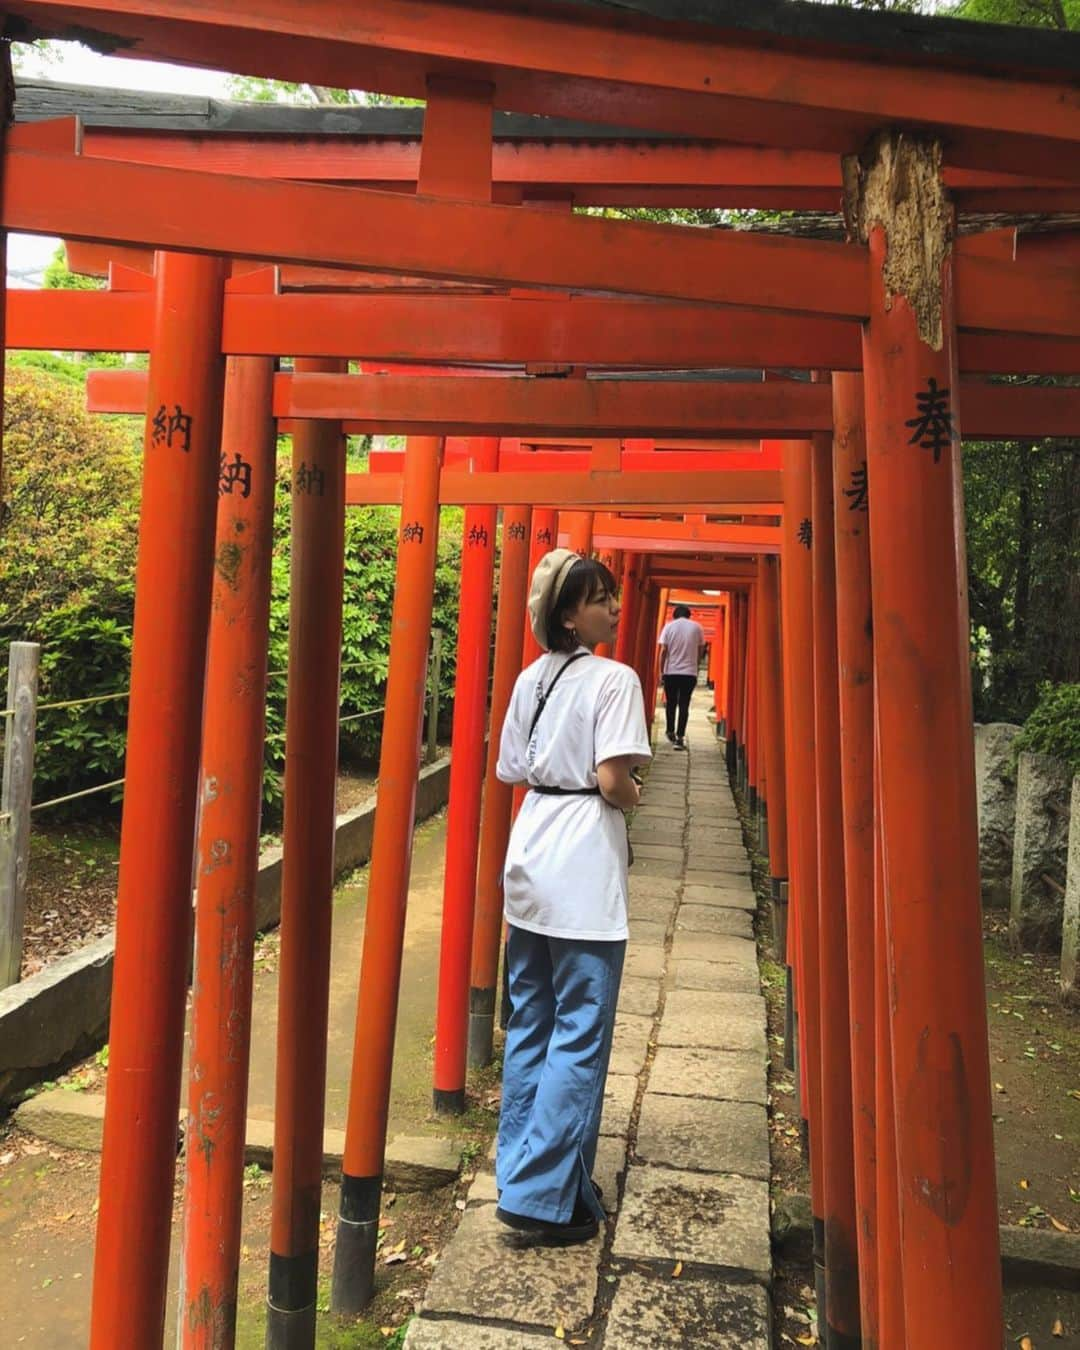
1040	846
1070	928
995	786
659	1313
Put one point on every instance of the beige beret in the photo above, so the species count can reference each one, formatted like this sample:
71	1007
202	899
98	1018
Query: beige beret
547	581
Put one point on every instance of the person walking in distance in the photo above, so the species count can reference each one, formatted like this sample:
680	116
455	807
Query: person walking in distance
681	644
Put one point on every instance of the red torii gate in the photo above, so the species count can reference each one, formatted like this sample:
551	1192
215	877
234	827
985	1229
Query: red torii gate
790	94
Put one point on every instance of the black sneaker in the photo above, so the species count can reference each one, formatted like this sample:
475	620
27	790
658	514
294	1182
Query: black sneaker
680	744
583	1227
670	735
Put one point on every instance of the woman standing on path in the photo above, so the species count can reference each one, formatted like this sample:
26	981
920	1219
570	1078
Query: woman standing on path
574	730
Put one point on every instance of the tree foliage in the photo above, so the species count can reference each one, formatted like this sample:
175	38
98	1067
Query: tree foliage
70	507
70	518
1054	725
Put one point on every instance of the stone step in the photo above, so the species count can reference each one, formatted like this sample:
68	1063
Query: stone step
76	1120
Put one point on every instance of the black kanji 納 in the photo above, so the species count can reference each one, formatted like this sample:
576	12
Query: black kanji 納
310	479
806	531
172	426
543	536
515	530
234	474
477	536
412	533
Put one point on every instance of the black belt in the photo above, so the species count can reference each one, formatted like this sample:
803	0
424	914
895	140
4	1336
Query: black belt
546	791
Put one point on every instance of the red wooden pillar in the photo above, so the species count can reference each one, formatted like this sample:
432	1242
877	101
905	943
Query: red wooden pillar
8	84
797	601
890	1288
725	666
613	562
495	822
734	716
466	782
628	620
835	1141
455	160
716	648
544	537
388	884
769	594
750	700
855	655
307	879
944	1132
228	854
763	705
181	463
578	526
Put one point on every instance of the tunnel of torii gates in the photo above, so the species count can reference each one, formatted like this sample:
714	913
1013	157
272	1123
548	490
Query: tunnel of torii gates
593	365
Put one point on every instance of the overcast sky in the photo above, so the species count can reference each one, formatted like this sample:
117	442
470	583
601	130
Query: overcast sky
75	64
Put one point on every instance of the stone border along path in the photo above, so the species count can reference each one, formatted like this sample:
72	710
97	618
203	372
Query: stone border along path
684	1151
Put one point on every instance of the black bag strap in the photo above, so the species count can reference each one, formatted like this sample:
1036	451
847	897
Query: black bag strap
545	694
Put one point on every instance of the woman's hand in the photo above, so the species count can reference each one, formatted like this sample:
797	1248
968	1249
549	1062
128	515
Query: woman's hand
616	785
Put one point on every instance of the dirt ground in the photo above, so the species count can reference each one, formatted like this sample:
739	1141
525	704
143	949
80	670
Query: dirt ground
71	883
1035	1076
48	1203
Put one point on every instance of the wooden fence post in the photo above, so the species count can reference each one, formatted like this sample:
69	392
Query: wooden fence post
21	718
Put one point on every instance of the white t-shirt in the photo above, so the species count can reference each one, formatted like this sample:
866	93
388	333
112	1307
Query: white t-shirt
684	640
565	873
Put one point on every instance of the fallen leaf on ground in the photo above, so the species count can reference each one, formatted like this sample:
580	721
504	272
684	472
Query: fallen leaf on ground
560	1334
677	1270
459	1204
1024	1184
1061	1227
1057	1329
1026	1343
810	1339
392	1258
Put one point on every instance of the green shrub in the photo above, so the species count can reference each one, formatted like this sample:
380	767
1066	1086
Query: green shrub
1053	727
370	565
70	508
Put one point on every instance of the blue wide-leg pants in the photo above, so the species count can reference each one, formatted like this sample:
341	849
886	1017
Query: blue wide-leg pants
558	1041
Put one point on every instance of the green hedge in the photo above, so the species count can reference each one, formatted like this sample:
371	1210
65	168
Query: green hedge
70	514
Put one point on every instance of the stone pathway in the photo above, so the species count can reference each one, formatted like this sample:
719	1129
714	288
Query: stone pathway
684	1152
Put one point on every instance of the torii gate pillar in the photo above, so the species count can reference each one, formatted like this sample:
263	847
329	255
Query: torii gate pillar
940	1073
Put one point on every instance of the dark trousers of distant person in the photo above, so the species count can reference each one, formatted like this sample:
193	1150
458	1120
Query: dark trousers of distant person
677	691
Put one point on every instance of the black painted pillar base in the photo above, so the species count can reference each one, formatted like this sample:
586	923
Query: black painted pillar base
290	1301
357	1243
819	1273
448	1101
481	1027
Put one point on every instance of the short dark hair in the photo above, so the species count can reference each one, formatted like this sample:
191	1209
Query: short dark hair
588	579
682	611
